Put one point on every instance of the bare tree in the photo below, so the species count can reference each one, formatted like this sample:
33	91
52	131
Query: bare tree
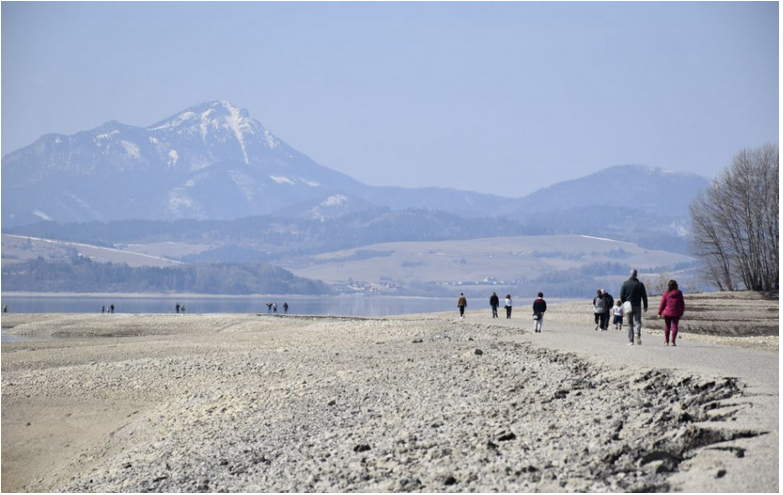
736	222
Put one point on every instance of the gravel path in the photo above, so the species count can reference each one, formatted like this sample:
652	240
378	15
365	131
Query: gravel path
429	403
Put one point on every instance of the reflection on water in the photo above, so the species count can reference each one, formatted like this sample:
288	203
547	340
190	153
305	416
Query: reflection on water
307	305
18	338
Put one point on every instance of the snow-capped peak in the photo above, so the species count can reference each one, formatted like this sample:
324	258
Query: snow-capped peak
209	114
220	116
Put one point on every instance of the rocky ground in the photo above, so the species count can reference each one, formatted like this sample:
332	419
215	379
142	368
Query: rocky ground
256	403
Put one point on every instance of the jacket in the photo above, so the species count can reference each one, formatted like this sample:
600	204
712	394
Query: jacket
634	291
539	306
609	301
672	304
494	301
599	303
462	302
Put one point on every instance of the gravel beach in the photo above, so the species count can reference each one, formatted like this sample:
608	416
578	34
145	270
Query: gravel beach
422	403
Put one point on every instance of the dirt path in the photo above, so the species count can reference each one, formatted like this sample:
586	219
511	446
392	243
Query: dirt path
758	376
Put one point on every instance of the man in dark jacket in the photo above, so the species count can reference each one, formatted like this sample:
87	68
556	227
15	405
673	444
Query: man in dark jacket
633	290
539	308
494	301
608	303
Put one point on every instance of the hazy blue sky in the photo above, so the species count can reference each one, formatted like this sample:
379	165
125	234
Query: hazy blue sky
502	98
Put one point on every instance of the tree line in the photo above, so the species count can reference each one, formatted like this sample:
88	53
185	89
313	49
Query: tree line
735	223
83	275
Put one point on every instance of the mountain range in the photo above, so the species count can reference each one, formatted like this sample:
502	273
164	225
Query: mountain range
213	162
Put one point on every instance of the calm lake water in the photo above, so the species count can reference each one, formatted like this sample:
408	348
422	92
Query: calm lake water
310	305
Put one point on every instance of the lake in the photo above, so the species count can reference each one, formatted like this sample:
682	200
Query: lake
308	305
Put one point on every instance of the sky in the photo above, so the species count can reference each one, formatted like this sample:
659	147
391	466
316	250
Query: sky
500	98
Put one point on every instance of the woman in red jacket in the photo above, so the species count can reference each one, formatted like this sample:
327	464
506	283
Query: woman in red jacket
672	308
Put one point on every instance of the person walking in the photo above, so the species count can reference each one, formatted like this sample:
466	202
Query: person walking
508	306
618	315
608	303
285	307
111	309
598	308
494	302
462	302
176	308
634	292
672	308
539	308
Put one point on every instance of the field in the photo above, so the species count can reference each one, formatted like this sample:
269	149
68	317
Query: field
566	261
20	248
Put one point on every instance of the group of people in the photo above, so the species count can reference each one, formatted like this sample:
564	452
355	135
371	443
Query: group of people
109	310
603	303
271	307
633	301
631	304
179	308
494	302
539	308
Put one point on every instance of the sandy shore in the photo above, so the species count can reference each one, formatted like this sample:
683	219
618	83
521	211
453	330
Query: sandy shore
257	403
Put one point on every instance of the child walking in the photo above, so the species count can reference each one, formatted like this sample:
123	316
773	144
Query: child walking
617	311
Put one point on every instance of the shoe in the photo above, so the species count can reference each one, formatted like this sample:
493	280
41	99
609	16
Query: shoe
596	328
666	344
630	343
674	345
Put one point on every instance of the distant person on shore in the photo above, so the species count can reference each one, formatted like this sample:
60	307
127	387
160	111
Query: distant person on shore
268	307
103	309
111	309
274	307
494	302
285	307
634	292
5	309
462	302
508	306
672	308
539	308
617	311
176	308
182	308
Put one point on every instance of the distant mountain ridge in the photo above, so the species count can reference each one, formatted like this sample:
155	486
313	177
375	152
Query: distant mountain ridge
213	162
634	187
